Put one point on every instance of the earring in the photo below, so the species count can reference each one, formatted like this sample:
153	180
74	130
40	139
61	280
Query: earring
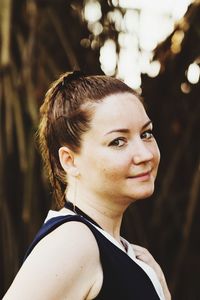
74	198
76	173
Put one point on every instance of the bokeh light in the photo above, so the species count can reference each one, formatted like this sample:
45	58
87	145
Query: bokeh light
108	57
92	11
142	27
193	73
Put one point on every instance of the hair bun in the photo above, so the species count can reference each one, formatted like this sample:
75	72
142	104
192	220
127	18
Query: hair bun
72	76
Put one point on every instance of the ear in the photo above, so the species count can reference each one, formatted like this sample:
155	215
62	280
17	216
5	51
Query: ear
66	157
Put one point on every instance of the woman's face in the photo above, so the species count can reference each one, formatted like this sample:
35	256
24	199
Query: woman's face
119	156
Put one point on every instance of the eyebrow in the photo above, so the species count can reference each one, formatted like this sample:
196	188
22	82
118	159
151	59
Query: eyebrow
125	130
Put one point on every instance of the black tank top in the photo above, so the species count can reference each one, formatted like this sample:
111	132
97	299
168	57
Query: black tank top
123	279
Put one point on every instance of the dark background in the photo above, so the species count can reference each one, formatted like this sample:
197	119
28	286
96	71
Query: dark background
38	41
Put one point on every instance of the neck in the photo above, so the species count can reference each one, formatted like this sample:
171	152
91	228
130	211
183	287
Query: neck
108	214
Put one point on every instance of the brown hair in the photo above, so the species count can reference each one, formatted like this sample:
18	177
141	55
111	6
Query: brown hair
66	114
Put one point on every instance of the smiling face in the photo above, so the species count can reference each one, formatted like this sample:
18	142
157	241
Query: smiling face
119	156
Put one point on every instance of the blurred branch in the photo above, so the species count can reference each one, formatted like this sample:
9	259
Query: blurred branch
49	61
29	183
5	17
177	63
135	227
8	104
64	40
20	129
191	206
9	243
172	169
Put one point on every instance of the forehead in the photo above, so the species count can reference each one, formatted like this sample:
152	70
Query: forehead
119	110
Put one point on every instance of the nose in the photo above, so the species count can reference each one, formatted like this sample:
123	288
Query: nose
141	152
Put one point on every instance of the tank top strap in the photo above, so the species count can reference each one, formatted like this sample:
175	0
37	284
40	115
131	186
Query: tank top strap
122	277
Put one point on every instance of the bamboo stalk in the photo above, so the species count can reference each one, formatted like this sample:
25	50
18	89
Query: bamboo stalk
63	40
170	172
191	206
28	183
49	61
28	85
8	103
20	128
5	21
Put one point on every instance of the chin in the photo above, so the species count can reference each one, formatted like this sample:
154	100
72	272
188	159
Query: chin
143	193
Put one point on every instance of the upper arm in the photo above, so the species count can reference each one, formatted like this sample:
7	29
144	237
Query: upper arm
64	263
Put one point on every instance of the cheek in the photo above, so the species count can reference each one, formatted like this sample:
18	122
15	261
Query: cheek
114	165
107	162
156	155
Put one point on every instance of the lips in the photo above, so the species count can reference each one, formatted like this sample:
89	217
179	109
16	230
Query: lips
143	174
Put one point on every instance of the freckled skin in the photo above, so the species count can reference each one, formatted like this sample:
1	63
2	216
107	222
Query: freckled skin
108	167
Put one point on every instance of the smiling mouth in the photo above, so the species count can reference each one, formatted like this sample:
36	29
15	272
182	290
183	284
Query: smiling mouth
143	175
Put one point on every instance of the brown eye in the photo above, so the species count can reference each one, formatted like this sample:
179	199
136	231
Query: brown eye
119	142
148	134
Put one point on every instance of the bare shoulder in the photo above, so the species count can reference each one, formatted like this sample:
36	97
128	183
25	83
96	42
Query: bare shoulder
67	259
72	240
70	236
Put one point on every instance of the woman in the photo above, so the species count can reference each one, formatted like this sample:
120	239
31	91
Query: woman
97	144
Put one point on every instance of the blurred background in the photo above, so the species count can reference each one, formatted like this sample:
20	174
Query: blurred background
154	46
